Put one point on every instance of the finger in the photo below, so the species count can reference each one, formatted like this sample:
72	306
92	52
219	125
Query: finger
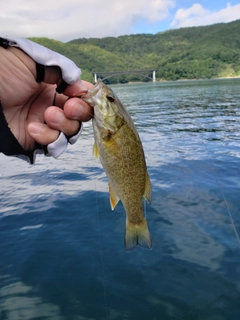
41	133
56	119
53	76
76	88
77	109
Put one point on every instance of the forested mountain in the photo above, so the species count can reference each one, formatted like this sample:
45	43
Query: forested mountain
186	53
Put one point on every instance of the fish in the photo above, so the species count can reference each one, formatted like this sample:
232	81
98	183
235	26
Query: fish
119	148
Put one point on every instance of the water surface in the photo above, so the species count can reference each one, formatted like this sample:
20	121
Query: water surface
61	246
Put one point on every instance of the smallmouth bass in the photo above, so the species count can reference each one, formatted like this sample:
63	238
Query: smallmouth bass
119	148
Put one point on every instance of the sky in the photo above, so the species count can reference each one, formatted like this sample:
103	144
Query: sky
65	20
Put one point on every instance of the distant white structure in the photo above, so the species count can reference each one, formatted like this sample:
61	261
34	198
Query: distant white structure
114	73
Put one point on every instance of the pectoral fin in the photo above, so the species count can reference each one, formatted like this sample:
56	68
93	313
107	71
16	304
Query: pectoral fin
95	150
113	197
148	189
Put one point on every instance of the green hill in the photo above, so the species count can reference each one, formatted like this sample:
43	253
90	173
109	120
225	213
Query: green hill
186	53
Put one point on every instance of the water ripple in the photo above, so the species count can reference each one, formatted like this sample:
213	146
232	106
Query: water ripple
61	246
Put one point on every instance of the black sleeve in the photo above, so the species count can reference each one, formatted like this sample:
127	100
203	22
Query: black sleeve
9	145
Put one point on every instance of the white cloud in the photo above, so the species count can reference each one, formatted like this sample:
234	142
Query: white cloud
65	20
197	15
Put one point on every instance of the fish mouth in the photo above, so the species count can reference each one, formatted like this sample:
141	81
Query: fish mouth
90	96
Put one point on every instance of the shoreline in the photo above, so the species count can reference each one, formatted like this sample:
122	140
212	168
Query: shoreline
178	80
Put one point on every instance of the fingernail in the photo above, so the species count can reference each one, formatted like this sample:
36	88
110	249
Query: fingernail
77	111
80	93
35	128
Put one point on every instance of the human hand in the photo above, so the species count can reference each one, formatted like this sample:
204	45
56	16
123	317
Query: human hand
35	113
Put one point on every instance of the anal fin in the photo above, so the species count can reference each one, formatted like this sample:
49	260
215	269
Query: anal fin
113	197
148	189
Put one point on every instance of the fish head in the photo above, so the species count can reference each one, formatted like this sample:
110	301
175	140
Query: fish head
102	98
105	104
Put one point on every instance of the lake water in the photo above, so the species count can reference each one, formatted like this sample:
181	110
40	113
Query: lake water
61	247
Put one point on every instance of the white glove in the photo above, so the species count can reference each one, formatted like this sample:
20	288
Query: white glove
47	57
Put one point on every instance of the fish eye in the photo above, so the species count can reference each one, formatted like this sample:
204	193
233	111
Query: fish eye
110	98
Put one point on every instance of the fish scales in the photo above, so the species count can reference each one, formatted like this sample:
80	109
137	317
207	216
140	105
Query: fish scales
119	148
127	177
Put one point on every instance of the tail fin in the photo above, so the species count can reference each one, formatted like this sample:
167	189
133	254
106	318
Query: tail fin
137	234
